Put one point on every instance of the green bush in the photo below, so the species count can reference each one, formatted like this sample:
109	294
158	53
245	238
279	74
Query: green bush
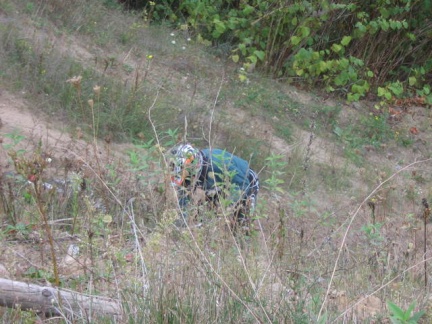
348	48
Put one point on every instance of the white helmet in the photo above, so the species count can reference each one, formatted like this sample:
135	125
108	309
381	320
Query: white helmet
185	163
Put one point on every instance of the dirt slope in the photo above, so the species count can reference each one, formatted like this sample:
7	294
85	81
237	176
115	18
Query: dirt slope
18	120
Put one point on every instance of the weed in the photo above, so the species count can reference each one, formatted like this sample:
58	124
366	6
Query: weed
399	316
20	230
373	234
33	170
371	130
16	138
275	163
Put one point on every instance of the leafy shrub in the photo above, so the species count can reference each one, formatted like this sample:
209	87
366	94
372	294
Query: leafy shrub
348	48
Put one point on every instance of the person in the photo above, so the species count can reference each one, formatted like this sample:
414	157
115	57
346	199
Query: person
223	176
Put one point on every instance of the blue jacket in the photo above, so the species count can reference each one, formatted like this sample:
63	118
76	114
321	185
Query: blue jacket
221	167
222	170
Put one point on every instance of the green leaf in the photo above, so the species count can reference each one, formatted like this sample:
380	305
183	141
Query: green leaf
412	81
305	31
346	40
322	66
415	318
396	88
351	97
381	91
329	88
235	58
295	40
370	74
395	25
219	28
395	311
411	36
242	77
233	23
341	79
242	48
388	95
384	25
300	72
248	10
357	89
336	48
260	55
409	310
252	58
338	131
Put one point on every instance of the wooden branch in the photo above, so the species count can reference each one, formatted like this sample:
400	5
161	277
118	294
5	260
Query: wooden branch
45	300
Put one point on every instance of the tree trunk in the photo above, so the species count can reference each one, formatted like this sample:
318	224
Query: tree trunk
45	300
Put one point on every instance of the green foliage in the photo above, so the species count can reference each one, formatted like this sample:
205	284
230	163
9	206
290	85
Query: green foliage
370	130
344	47
20	228
36	273
16	138
275	163
399	316
372	232
375	129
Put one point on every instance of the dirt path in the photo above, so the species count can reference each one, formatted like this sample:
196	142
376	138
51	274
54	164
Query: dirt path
22	129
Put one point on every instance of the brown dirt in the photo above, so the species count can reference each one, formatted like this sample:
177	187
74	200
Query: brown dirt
16	117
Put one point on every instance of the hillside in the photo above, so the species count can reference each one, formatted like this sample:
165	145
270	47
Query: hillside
338	230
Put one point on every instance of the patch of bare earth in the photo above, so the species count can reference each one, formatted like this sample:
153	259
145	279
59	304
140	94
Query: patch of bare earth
17	119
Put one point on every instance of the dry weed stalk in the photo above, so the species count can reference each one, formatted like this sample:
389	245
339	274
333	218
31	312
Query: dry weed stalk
32	169
426	214
306	160
372	206
7	201
75	81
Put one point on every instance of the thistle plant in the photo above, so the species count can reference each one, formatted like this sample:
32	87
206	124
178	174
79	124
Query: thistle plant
75	81
33	169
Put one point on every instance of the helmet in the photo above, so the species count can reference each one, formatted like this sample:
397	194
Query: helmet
185	163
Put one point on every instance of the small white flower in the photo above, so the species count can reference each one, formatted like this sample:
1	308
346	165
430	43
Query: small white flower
189	39
183	47
173	42
172	34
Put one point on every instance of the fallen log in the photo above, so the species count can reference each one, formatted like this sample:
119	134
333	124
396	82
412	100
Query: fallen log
52	301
